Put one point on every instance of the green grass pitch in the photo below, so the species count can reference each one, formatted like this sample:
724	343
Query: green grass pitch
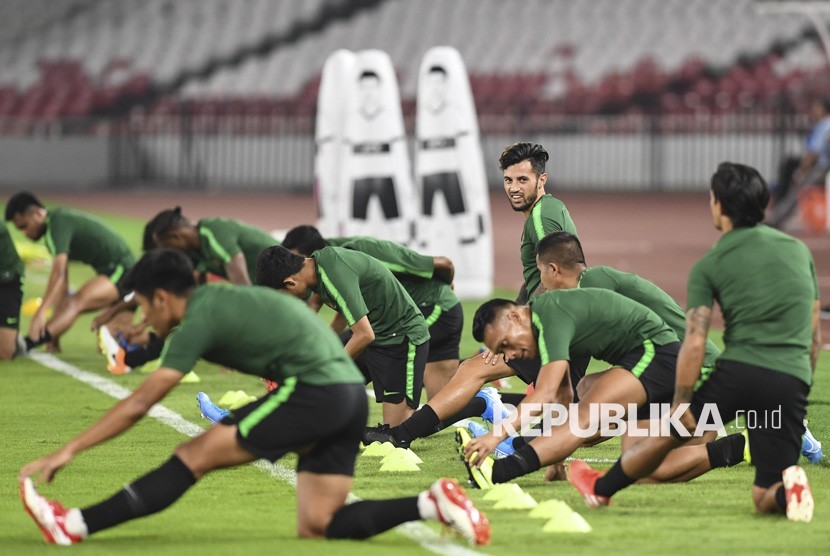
247	511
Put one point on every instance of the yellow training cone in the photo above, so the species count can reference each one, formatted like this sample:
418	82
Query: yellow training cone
516	501
550	509
402	454
30	306
399	465
378	450
567	523
190	378
501	490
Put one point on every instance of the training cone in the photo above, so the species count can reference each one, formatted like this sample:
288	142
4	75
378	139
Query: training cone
234	399
402	454
30	306
378	449
567	523
190	378
516	501
150	366
399	465
501	490
550	509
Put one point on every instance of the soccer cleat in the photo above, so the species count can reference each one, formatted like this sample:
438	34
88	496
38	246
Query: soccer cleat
495	410
456	511
583	478
747	452
20	348
480	477
210	410
797	494
810	447
49	515
113	352
382	433
505	447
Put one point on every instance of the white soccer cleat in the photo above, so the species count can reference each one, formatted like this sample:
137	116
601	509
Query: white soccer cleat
112	351
49	515
456	511
797	494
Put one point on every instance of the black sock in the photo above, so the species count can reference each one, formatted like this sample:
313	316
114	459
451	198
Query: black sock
369	517
144	354
519	442
32	344
474	408
422	423
781	498
150	494
613	481
512	398
726	451
521	463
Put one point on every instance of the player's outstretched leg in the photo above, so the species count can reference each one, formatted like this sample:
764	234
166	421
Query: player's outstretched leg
445	502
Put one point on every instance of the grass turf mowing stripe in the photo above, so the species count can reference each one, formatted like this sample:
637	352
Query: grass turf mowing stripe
416	531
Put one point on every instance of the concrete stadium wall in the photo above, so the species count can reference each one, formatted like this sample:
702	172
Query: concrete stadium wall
65	162
629	162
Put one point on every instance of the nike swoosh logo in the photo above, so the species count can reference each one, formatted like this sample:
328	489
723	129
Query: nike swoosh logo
386	393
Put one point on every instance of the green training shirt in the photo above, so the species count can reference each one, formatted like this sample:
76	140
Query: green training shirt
646	293
88	240
357	285
765	284
594	322
549	214
261	332
220	239
413	270
11	267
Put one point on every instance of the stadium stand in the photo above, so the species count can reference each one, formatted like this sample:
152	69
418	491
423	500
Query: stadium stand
535	58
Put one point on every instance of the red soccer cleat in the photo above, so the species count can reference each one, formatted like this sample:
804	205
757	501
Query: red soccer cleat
797	492
456	511
583	478
49	515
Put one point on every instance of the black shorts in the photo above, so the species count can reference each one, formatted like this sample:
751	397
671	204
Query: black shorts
396	372
11	297
655	367
291	418
774	405
528	370
444	331
116	273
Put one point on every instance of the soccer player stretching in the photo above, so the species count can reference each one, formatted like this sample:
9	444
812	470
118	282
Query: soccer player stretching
261	332
772	343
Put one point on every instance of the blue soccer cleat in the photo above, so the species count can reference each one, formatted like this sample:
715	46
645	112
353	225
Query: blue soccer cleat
810	447
495	408
210	410
505	447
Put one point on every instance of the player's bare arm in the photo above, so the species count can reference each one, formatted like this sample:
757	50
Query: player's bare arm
237	270
362	335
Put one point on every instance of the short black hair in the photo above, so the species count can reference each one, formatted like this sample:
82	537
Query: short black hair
517	152
562	247
305	239
165	222
164	269
148	242
19	203
742	193
486	314
275	264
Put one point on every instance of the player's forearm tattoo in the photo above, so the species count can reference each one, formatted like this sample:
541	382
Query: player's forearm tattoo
697	321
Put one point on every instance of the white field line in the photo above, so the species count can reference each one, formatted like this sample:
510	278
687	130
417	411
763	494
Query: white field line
416	531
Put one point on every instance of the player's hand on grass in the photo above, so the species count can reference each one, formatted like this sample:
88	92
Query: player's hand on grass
479	448
44	469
